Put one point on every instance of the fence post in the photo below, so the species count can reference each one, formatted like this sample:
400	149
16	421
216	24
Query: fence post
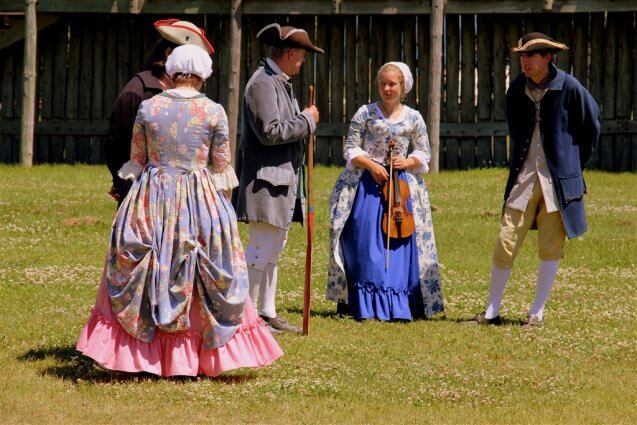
435	74
236	12
28	88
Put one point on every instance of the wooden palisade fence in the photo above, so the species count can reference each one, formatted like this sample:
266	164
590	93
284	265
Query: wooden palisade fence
88	50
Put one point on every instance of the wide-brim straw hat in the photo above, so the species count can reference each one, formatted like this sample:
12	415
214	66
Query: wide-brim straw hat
184	32
287	36
536	41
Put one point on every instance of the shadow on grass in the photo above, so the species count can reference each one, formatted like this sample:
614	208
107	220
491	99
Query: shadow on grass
75	367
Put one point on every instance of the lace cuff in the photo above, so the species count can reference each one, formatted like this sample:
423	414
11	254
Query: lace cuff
225	180
351	154
130	171
423	159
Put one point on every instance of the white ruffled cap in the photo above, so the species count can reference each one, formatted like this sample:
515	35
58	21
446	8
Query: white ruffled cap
189	59
409	79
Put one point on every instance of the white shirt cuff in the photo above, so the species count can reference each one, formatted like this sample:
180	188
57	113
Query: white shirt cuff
423	159
130	171
351	154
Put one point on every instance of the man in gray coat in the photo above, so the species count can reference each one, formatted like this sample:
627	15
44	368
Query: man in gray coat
270	162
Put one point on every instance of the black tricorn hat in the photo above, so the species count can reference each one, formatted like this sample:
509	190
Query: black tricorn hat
287	36
536	42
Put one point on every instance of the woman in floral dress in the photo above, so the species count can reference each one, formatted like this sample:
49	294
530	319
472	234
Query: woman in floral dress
173	299
358	279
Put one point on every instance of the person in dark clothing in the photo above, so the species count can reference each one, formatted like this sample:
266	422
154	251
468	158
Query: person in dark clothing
554	124
144	85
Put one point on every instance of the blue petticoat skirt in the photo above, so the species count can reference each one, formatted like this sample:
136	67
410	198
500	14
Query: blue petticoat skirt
376	293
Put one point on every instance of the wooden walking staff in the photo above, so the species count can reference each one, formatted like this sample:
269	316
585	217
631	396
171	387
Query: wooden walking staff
310	224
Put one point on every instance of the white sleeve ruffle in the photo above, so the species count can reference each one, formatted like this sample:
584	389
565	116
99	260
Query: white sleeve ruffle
130	171
423	158
352	153
225	180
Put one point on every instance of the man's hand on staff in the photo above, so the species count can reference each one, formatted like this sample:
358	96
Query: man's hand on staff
315	113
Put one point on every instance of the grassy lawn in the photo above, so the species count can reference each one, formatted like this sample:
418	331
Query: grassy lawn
580	367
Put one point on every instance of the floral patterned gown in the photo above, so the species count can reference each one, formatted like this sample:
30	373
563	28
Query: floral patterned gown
357	275
173	299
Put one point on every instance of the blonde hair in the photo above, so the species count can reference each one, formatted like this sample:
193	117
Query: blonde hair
401	77
192	80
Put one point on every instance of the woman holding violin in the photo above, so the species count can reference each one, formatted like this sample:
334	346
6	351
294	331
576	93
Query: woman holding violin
383	261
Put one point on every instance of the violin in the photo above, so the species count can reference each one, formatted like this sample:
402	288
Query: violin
398	221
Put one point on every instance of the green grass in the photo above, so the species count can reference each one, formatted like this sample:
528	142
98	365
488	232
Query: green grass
579	368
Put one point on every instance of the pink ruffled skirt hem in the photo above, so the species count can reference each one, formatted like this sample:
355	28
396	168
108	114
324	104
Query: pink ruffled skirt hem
176	354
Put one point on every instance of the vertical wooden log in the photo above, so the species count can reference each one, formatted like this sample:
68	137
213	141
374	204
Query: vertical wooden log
607	142
424	54
393	35
123	52
579	49
322	144
337	60
349	83
467	94
409	55
435	73
362	63
449	146
72	86
622	146
485	87
596	71
499	87
236	13
30	75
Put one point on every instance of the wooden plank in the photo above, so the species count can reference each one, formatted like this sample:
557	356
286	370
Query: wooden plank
137	52
58	110
579	51
72	88
435	81
423	65
234	89
7	99
562	31
46	47
622	146
393	34
409	54
123	53
633	160
596	71
467	91
377	36
500	54
606	143
350	67
449	155
485	88
313	7
514	33
337	63
322	144
97	107
307	72
362	62
224	63
85	84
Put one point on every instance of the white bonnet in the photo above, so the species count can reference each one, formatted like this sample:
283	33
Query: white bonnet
409	79
189	59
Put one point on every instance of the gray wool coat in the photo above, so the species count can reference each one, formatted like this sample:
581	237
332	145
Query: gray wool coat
270	153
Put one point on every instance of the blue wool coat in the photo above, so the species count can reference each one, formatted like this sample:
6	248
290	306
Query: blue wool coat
570	126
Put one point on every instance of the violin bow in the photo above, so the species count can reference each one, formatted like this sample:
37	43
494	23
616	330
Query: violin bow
389	203
310	224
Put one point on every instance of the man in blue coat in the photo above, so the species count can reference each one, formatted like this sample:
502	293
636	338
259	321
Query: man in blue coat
553	125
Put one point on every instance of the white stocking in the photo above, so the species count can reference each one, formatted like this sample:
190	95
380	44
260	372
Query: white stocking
499	278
